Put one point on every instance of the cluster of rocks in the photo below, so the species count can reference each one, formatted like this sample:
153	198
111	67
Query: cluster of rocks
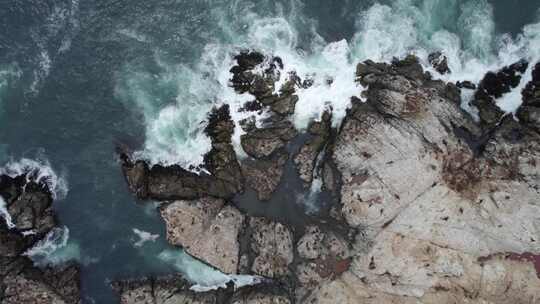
29	205
436	208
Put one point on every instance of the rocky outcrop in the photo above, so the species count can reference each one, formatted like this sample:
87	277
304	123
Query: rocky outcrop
174	182
29	204
176	290
430	205
207	229
494	85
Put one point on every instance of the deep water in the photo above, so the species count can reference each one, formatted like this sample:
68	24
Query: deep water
79	77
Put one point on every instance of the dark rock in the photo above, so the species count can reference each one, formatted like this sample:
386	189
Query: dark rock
440	62
529	112
30	207
466	85
494	85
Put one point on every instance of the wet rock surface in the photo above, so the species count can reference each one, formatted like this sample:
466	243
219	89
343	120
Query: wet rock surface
29	205
431	206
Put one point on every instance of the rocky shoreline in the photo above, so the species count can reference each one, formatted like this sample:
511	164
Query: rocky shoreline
428	205
29	204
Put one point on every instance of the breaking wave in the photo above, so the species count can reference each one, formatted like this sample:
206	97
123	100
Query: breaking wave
175	97
205	278
55	249
40	172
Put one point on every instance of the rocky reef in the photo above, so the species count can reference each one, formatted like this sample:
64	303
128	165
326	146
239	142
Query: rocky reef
30	218
428	205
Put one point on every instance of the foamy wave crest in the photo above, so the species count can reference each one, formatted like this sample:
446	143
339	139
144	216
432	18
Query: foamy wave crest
54	249
204	277
38	171
463	30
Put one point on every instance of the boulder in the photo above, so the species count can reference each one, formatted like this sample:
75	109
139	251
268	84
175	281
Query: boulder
439	62
207	229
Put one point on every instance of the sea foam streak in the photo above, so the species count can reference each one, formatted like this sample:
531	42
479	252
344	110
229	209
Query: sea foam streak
38	171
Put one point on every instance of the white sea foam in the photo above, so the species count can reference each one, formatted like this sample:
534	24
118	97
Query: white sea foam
201	275
5	214
463	30
144	236
39	171
54	249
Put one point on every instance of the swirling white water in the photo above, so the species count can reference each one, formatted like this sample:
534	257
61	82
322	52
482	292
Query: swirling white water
40	172
463	30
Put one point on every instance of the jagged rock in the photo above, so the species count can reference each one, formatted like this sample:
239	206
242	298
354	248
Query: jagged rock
263	142
439	62
306	158
172	290
207	229
264	175
174	182
29	204
272	245
494	85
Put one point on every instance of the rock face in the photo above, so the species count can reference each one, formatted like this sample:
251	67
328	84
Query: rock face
30	206
440	216
207	229
172	290
272	246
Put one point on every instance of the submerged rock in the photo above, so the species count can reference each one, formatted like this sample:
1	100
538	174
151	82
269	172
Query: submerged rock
29	204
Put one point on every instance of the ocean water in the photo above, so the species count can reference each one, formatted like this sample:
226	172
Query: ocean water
79	77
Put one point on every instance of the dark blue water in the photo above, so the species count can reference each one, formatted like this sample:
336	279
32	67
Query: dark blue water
64	62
